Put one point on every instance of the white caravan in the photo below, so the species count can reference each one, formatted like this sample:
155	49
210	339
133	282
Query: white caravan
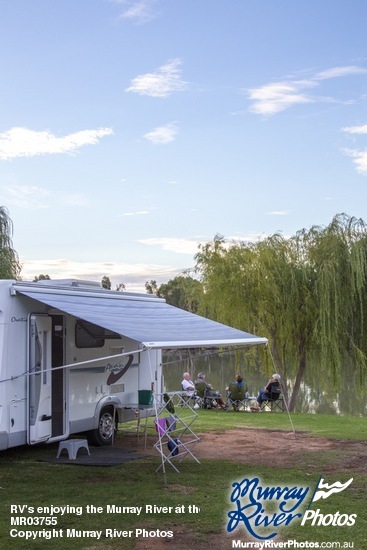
74	356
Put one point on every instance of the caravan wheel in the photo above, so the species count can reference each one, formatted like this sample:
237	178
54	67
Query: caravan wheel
103	435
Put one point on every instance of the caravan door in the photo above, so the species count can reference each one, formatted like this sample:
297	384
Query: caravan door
39	379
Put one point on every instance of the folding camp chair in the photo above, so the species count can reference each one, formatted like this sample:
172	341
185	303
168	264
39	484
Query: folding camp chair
191	400
273	399
236	397
204	399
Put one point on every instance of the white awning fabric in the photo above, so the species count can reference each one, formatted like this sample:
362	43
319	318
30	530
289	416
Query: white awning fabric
144	318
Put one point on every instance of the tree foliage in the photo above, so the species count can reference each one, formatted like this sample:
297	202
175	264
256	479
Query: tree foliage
151	287
9	262
41	277
306	294
182	291
120	287
106	282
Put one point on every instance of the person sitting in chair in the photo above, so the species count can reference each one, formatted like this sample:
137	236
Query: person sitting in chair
210	392
188	385
264	392
237	393
240	383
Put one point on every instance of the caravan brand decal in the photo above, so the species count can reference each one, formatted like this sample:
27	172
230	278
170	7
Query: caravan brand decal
118	370
262	509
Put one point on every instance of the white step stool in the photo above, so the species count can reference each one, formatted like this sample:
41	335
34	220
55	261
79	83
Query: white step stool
72	446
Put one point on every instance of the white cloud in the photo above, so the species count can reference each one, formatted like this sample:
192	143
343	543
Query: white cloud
279	213
162	83
362	129
189	245
359	159
279	96
162	134
34	197
337	72
275	97
359	156
139	10
21	142
139	213
133	276
27	196
172	244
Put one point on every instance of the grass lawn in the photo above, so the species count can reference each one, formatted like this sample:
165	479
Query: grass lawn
193	504
331	426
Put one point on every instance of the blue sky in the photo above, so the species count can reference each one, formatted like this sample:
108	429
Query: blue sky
133	130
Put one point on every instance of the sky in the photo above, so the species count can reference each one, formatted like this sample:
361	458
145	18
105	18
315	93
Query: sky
132	131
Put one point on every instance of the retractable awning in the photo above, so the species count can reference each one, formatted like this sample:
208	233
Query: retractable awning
144	318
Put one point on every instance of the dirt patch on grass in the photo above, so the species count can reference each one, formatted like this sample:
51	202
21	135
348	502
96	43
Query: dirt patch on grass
282	449
272	448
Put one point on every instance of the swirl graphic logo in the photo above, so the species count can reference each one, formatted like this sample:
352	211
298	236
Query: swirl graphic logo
117	371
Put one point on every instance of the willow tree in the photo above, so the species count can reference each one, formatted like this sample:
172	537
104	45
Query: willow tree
306	294
9	263
338	255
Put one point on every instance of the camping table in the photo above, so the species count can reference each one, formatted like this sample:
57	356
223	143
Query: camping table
137	408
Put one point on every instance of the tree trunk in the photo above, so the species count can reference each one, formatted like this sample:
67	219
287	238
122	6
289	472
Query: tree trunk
299	376
300	372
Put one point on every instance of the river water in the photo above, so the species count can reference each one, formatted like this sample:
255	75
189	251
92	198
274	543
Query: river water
316	393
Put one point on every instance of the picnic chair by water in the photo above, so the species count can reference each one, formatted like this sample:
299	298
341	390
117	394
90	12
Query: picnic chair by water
236	397
273	399
191	400
204	399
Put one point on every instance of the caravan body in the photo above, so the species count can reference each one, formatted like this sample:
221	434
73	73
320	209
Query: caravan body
61	375
73	356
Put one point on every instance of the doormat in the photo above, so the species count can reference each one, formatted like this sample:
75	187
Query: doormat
99	456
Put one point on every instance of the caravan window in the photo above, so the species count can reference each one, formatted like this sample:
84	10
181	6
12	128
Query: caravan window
88	335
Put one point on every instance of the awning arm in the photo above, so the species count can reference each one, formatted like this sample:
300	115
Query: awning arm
71	365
